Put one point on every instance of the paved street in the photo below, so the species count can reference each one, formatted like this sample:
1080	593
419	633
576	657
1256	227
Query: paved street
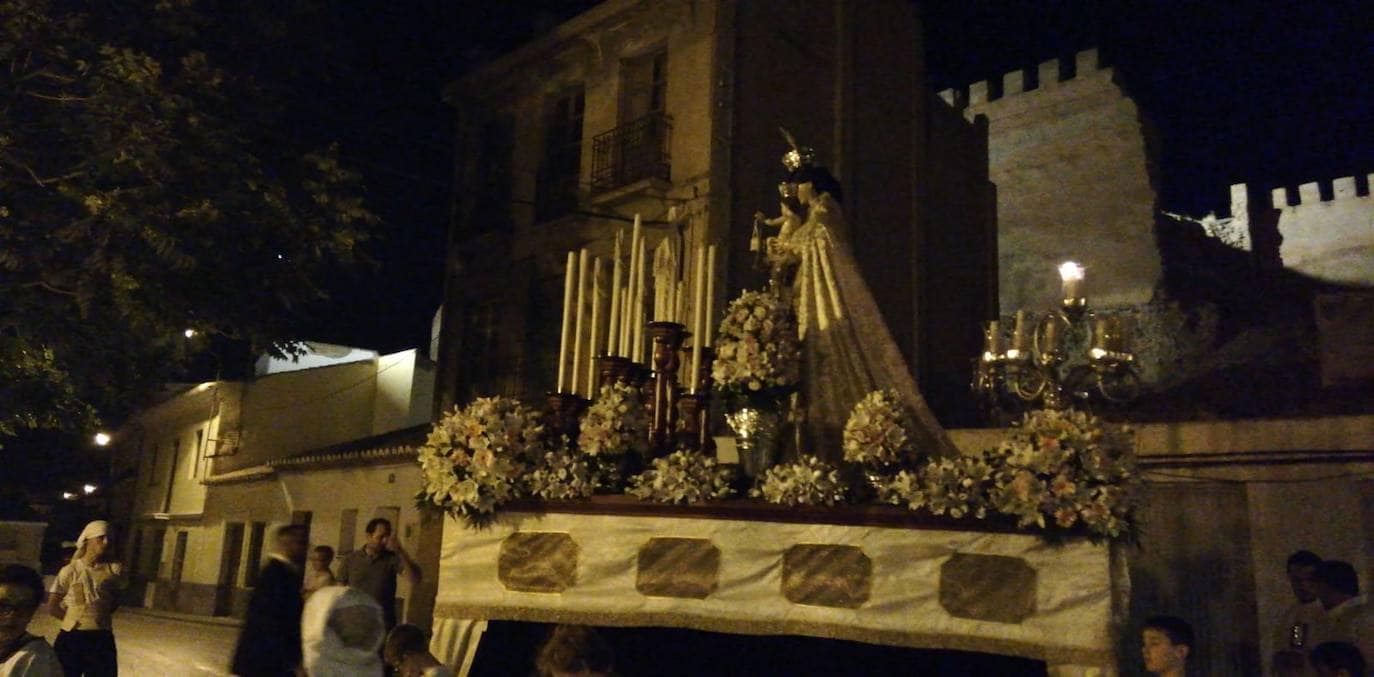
162	647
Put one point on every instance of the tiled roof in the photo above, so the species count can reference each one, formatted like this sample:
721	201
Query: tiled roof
396	444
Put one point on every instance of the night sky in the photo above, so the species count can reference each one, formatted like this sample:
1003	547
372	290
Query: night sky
1270	92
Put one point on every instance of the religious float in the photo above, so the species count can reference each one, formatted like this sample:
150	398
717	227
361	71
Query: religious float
850	514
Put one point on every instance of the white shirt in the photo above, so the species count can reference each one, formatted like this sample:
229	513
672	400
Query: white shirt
1350	621
1309	614
90	593
35	659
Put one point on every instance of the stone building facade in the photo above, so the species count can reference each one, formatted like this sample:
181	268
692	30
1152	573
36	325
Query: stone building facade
216	467
672	109
1067	151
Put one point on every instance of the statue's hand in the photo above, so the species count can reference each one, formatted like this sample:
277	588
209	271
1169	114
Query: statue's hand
759	216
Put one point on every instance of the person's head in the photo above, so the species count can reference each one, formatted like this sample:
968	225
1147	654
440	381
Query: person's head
94	541
21	591
321	556
1334	582
404	640
812	180
1302	567
574	651
1167	641
292	542
378	530
1337	659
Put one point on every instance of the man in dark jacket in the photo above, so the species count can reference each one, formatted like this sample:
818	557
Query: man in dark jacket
270	643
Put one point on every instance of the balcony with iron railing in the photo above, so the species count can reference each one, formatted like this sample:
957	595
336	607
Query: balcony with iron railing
632	152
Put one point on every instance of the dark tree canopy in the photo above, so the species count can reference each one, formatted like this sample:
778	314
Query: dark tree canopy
154	179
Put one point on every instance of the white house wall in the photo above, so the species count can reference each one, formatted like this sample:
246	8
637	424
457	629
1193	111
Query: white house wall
272	500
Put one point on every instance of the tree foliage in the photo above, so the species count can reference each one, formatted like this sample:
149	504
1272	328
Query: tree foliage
153	179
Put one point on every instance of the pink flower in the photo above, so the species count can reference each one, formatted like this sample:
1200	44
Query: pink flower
1065	517
1022	485
1063	486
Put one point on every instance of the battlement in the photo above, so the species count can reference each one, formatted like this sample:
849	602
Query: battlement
1043	76
1307	194
1325	228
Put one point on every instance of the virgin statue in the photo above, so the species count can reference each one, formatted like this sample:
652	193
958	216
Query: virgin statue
847	349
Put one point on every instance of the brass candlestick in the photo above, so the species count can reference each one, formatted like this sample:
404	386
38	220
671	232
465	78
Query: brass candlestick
667	340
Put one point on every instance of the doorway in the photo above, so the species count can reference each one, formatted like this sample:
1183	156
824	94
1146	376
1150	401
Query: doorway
230	556
178	564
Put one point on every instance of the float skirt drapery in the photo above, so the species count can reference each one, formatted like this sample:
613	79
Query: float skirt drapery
1000	593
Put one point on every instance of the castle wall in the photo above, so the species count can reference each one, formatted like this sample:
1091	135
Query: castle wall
1069	162
1328	239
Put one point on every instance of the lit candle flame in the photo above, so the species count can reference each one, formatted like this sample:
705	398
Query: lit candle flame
1070	270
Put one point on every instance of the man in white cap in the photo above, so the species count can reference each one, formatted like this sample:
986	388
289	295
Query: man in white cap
342	630
89	586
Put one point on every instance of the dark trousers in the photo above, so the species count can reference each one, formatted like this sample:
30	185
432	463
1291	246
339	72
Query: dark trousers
87	652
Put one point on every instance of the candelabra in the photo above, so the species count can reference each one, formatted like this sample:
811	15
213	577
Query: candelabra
1047	363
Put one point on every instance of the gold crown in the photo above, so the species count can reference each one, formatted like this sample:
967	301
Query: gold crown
797	158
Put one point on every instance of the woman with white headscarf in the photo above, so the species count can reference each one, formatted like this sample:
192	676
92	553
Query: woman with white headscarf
341	633
84	597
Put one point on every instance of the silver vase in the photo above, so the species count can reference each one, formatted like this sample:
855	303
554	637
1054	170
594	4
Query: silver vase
756	438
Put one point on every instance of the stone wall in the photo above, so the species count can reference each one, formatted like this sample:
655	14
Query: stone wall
1327	232
1070	164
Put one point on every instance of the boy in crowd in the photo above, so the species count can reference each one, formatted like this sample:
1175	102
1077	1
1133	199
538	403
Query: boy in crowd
22	654
1167	641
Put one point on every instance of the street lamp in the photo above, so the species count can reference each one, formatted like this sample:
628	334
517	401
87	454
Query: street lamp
88	489
189	333
102	439
68	496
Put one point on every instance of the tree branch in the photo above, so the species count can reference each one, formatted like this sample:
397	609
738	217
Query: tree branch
44	285
64	98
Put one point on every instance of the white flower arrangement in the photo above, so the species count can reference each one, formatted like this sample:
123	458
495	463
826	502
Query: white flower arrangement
757	348
807	481
1065	470
615	424
944	486
1061	471
876	432
682	477
561	475
474	456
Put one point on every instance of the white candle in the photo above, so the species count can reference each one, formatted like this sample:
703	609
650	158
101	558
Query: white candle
625	323
638	314
659	285
992	338
688	261
613	329
577	326
567	321
698	337
1071	274
710	294
595	347
632	293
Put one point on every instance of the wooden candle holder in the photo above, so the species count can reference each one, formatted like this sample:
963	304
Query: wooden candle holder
667	340
564	411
